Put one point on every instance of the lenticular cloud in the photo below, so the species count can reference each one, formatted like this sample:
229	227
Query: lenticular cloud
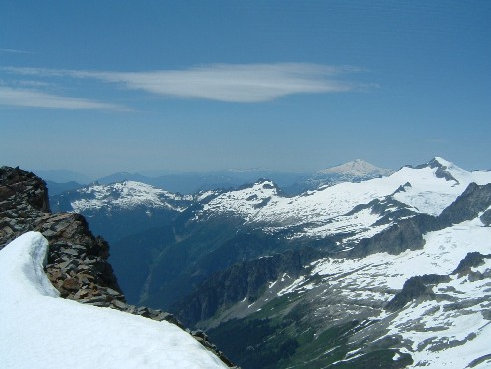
243	83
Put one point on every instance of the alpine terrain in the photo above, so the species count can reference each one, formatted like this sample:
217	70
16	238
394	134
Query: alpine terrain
390	272
61	304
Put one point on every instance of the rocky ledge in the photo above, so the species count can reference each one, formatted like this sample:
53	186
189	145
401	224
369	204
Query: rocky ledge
77	261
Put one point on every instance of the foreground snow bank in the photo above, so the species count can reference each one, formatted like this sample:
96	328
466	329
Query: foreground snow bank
40	330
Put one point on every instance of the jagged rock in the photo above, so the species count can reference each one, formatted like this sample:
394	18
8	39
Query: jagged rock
473	200
471	260
77	261
71	284
112	292
415	287
118	304
242	280
486	218
406	234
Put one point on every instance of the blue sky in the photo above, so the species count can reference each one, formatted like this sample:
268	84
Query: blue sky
104	86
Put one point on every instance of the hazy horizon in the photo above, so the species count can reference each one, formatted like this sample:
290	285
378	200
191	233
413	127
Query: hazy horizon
82	177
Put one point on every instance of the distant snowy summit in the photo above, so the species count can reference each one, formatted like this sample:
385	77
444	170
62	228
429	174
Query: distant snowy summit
353	171
357	209
356	197
356	168
120	195
133	206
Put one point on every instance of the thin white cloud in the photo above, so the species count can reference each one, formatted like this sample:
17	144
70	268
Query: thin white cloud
223	82
34	84
14	51
36	99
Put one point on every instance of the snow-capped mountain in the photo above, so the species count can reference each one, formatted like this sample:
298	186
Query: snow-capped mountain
425	304
120	195
391	271
353	171
357	209
120	209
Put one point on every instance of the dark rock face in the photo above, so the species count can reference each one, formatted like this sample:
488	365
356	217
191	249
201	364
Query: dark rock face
242	280
486	218
471	260
416	287
441	170
406	234
473	200
77	261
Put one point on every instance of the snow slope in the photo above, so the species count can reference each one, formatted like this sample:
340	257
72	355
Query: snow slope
325	211
450	331
127	194
41	330
442	252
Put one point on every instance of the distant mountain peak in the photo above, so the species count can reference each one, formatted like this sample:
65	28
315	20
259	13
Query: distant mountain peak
438	161
126	194
357	167
444	168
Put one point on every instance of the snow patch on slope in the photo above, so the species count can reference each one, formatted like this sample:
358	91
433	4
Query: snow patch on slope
323	212
127	194
357	222
451	332
41	330
441	254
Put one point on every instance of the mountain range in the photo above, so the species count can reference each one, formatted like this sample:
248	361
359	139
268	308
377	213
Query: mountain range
190	182
371	268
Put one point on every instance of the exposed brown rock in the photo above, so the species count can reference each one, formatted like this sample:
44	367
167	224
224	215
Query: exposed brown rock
77	261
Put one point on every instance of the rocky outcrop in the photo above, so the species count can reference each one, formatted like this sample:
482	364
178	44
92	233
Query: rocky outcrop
441	168
403	235
414	288
471	260
486	218
421	287
474	200
242	280
77	261
408	233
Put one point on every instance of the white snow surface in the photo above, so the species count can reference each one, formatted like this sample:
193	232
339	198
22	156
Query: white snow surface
441	254
41	330
428	326
463	329
127	194
323	211
450	332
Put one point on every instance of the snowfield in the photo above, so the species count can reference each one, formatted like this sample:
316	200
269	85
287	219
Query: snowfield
324	212
41	330
451	331
442	252
127	194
